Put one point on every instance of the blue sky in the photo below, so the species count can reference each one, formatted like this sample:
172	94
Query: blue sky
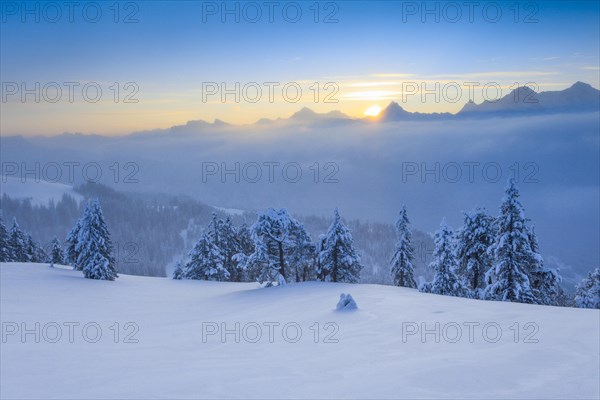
368	53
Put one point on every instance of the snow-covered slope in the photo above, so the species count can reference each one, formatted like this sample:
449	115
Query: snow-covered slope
40	192
555	356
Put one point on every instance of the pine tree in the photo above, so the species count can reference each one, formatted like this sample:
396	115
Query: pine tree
71	240
17	243
94	247
588	291
473	241
213	230
31	251
512	253
206	261
444	264
339	260
5	253
58	255
40	254
263	265
303	254
282	249
230	247
402	261
246	247
545	282
320	271
178	271
270	234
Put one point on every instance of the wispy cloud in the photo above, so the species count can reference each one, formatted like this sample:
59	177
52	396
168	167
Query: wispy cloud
545	58
500	74
393	75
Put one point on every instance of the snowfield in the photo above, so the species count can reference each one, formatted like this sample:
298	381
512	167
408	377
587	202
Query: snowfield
161	338
39	192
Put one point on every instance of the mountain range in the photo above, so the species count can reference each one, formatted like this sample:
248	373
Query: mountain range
580	97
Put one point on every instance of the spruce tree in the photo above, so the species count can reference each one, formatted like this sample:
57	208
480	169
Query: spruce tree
246	247
511	251
178	271
71	240
17	243
303	254
444	264
545	282
5	253
271	241
402	261
57	255
281	249
473	241
230	247
206	261
588	291
31	251
320	246
339	261
94	246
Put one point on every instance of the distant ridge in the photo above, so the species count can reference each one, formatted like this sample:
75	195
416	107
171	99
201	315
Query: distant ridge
580	97
522	101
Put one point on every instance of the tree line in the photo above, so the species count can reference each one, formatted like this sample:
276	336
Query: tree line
488	258
276	249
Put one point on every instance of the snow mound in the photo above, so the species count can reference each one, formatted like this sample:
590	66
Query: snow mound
346	303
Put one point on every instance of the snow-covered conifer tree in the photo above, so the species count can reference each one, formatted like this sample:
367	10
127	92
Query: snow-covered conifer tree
319	247
339	261
230	247
178	271
17	243
444	264
57	255
214	230
5	253
270	234
94	247
545	282
402	261
279	240
507	279
302	258
31	249
246	246
71	240
588	291
473	241
206	261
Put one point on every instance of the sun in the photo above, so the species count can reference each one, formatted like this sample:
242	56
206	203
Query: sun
373	111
